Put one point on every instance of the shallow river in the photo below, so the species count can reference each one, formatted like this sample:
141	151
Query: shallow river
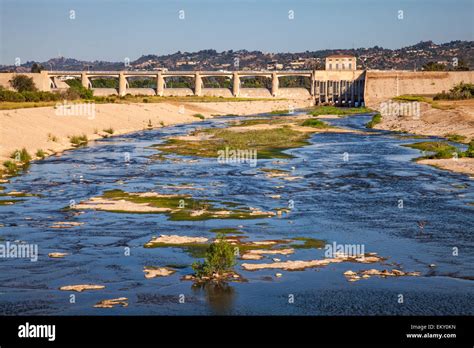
347	199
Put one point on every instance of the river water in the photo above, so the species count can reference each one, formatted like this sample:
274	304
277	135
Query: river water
348	199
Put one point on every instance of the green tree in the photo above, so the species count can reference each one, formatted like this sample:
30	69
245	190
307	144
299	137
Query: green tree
220	258
23	83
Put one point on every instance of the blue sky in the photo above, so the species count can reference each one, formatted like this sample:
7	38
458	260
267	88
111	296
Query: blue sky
115	29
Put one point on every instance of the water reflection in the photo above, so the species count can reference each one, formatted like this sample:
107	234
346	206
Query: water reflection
219	295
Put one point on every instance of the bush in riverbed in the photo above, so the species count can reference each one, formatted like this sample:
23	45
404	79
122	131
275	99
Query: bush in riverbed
220	258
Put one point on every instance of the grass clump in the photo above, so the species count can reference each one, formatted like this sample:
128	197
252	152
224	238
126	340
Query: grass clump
21	156
376	119
78	140
456	138
219	258
109	130
440	149
315	123
40	154
200	116
11	168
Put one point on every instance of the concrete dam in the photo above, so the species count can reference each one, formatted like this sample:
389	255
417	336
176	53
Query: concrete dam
344	88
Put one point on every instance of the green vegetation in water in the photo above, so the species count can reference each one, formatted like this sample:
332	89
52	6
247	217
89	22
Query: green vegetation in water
308	243
441	149
78	140
315	123
230	230
219	258
334	110
376	119
470	150
455	138
269	143
280	112
10	201
182	207
200	116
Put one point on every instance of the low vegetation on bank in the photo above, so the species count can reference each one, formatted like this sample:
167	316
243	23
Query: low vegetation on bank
458	92
20	159
376	119
442	150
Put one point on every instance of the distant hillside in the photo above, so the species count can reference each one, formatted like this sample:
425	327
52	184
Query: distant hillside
406	58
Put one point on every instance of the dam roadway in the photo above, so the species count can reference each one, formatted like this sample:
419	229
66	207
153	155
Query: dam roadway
344	88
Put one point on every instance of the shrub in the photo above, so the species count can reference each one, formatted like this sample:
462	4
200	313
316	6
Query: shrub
200	116
40	153
21	156
10	167
312	122
470	150
220	258
376	119
460	91
23	83
78	140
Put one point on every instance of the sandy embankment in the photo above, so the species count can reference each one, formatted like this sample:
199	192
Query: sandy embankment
458	119
46	129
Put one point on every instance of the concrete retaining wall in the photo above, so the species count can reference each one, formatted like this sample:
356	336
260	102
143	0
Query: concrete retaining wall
384	85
